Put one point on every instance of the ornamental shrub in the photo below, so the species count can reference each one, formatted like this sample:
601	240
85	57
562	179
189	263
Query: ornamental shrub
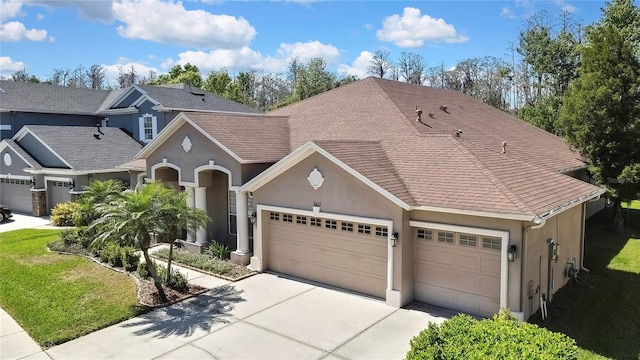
176	282
62	214
500	337
129	258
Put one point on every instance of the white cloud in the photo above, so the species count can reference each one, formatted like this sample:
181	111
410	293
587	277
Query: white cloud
412	29
16	31
565	7
359	66
309	50
10	9
89	9
40	16
9	66
506	12
113	71
169	22
246	58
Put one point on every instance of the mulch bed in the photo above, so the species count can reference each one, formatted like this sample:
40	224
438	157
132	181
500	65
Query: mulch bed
147	293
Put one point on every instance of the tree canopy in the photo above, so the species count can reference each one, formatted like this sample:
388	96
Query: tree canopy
601	109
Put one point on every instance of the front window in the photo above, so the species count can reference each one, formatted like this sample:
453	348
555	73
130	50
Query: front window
148	127
233	226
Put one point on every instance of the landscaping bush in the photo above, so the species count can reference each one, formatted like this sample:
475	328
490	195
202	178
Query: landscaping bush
501	337
218	251
205	262
111	254
129	258
62	214
177	281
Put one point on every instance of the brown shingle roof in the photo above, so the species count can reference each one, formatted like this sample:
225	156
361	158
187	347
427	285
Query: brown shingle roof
250	137
429	166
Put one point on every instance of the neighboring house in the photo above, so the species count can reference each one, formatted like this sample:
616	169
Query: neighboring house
45	165
398	191
140	112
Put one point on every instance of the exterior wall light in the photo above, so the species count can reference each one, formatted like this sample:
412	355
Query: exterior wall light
393	240
252	216
511	253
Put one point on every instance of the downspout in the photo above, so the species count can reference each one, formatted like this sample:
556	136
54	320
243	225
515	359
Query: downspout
583	218
537	223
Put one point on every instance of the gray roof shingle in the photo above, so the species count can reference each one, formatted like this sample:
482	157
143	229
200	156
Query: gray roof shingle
78	146
46	98
183	97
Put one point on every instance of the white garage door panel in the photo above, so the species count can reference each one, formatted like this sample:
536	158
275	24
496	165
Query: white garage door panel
58	193
459	277
332	256
16	196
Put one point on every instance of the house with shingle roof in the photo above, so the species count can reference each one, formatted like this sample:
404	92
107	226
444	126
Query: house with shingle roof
136	114
393	190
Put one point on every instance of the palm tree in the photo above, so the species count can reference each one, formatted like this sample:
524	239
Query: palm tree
131	218
97	193
177	215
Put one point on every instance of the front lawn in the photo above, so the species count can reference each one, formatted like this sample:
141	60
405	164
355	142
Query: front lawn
54	297
602	311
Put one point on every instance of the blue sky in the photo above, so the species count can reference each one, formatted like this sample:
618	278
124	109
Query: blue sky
154	35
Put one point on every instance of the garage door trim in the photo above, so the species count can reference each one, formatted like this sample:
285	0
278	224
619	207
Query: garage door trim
393	296
504	235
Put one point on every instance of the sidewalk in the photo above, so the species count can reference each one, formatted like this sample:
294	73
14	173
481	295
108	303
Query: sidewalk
15	343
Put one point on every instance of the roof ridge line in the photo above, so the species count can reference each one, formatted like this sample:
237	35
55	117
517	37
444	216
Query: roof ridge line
492	177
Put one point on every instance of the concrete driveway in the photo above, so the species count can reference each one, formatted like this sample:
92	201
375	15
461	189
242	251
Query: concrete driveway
266	316
21	221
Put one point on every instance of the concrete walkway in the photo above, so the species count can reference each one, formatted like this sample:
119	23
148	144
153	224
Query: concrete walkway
265	316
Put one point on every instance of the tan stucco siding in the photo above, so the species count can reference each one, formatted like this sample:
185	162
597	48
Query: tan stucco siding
566	229
341	193
515	238
202	151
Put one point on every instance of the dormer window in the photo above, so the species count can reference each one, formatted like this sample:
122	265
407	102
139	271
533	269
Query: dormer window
148	127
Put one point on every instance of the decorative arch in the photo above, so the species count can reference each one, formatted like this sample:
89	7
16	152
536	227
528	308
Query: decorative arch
212	166
163	164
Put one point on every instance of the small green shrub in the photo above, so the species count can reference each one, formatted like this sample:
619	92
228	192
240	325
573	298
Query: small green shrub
177	281
62	214
129	258
501	337
205	262
218	251
111	254
69	236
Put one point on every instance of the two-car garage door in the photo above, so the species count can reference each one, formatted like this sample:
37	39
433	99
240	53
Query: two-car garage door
457	270
345	254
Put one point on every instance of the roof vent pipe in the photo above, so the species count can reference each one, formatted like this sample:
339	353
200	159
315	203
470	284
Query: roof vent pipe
504	147
457	133
444	108
419	115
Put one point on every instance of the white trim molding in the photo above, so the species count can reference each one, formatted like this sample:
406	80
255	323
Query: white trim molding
504	235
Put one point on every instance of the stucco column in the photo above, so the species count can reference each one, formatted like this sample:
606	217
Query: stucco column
191	202
242	223
201	203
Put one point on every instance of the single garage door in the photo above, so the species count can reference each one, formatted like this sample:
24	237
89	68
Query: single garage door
339	253
458	271
58	193
16	194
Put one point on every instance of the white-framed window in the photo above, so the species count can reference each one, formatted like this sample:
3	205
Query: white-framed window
302	220
233	225
316	222
148	127
274	216
425	234
445	237
490	242
382	231
364	229
468	240
331	224
347	226
287	218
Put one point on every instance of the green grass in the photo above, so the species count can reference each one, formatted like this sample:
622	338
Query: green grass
56	298
602	311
